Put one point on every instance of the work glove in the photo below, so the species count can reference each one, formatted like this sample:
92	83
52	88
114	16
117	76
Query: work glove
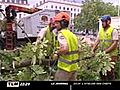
55	56
34	43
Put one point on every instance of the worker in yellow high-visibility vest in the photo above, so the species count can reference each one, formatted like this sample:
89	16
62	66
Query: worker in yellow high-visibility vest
108	41
68	49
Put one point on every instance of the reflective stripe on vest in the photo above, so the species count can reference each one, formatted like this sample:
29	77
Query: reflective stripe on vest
68	62
107	40
72	52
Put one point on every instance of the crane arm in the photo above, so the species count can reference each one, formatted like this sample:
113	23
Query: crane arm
22	9
13	9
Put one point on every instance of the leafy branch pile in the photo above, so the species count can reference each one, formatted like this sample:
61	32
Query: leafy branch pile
29	54
90	67
33	52
31	57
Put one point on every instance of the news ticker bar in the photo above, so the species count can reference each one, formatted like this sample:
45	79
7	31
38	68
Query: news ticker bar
60	84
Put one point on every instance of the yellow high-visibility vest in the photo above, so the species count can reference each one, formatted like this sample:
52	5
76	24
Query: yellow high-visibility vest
106	40
69	61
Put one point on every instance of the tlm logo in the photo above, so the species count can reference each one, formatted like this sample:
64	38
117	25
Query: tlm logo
12	84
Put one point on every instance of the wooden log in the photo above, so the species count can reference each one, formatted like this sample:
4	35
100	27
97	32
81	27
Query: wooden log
20	64
25	63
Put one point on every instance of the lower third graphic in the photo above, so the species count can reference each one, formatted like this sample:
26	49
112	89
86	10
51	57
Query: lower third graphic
12	84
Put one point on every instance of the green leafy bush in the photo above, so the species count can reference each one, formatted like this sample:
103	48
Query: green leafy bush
34	53
90	67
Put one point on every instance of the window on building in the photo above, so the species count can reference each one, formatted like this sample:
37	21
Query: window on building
60	7
46	6
17	1
20	15
67	8
25	2
72	21
36	4
74	9
43	1
51	6
55	7
71	14
74	14
71	9
8	0
13	1
40	2
63	8
33	5
3	0
20	2
0	6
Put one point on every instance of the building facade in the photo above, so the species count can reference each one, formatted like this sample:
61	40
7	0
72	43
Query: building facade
15	1
22	3
61	5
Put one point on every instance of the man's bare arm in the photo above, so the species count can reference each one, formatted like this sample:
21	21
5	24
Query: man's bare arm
112	47
95	45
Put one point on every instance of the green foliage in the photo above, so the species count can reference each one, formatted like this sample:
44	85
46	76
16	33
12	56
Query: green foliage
117	70
84	47
33	52
91	11
90	68
6	58
105	63
2	25
32	73
28	52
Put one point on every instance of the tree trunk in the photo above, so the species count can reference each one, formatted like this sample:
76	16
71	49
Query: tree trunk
25	63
